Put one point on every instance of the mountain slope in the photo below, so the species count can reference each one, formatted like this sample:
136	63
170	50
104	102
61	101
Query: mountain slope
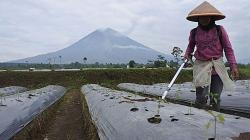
103	46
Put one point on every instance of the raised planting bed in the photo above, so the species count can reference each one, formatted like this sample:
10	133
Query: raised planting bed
123	115
238	100
19	110
6	91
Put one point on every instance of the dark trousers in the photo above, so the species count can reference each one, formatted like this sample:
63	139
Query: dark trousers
202	94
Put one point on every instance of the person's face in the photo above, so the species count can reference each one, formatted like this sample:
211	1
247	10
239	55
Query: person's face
204	20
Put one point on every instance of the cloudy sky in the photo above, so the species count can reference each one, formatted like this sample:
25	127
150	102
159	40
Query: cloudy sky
32	27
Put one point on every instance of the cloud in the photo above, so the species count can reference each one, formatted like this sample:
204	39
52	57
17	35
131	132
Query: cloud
29	28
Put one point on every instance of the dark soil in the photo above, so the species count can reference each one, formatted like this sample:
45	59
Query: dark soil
187	114
173	120
68	123
67	120
156	119
243	136
134	109
139	100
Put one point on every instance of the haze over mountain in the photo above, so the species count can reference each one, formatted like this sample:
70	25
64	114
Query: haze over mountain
103	46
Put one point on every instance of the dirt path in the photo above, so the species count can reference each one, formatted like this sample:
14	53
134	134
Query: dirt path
68	119
68	123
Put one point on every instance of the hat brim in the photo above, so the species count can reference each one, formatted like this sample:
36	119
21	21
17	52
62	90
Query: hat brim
215	16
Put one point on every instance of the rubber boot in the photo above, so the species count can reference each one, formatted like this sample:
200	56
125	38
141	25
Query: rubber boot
201	97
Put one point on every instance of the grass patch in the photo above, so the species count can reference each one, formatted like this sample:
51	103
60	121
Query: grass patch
34	80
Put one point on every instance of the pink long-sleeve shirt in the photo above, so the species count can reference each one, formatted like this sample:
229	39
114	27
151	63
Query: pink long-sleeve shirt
209	46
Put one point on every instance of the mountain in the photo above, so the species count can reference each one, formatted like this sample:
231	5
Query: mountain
103	46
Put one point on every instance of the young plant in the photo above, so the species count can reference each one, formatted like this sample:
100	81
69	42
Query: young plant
1	103
216	118
177	95
247	84
134	109
190	109
18	97
214	97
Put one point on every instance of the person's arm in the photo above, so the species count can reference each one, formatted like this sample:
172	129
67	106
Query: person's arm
229	53
191	45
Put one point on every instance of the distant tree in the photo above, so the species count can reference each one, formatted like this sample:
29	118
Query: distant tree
160	62
97	64
173	64
160	57
131	63
176	52
60	57
84	60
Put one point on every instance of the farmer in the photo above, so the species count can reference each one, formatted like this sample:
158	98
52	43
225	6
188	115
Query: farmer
209	72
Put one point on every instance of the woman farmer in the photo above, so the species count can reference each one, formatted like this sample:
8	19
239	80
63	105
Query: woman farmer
209	72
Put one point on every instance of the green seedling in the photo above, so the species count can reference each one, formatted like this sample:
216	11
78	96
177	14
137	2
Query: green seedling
177	95
216	118
214	97
190	109
247	85
156	119
18	97
134	109
1	103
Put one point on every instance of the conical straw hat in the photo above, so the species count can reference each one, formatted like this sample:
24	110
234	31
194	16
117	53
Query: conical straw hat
205	9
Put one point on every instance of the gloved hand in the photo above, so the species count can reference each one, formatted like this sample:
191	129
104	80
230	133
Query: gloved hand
235	73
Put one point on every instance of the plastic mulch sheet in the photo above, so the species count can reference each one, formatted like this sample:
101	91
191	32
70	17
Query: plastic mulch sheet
238	100
6	91
16	111
126	116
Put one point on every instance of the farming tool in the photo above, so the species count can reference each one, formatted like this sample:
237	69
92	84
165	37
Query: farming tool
175	76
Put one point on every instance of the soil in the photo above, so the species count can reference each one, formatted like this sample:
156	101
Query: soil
126	102
68	122
173	120
134	109
139	100
243	136
156	119
68	119
188	114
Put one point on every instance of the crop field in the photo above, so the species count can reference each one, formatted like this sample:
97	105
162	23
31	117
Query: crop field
111	104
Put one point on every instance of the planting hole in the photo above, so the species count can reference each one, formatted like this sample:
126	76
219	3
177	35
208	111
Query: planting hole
111	97
157	115
211	138
19	100
188	114
146	109
237	118
192	90
171	116
134	109
155	120
173	120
